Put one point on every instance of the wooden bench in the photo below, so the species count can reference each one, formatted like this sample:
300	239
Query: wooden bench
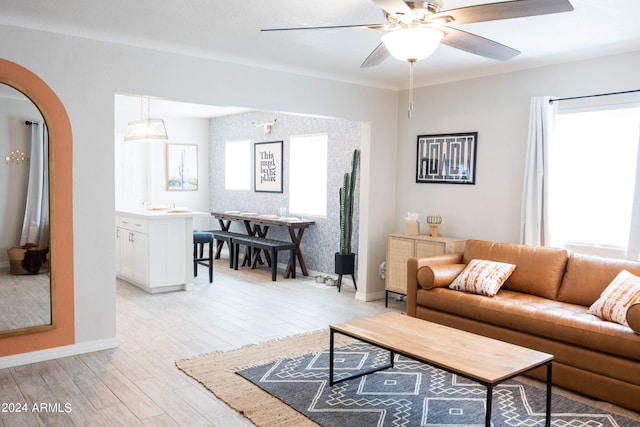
225	236
261	243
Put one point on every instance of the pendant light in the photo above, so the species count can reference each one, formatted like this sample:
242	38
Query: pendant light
148	129
411	45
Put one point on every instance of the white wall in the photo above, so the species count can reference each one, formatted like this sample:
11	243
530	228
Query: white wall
86	74
497	108
140	167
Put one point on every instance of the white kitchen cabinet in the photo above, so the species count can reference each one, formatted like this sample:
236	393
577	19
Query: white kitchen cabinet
154	251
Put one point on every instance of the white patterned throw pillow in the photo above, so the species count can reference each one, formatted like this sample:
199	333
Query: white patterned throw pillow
622	292
482	277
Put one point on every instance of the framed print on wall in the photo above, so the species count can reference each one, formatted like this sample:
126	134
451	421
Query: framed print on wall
268	167
182	167
447	158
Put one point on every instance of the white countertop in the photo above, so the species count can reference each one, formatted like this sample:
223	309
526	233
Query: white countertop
163	213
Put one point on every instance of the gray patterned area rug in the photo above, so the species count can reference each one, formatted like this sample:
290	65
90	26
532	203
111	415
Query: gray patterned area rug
410	394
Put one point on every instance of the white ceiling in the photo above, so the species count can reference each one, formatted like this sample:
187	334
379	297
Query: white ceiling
230	30
163	107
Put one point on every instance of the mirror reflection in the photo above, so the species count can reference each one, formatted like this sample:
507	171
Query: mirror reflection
25	287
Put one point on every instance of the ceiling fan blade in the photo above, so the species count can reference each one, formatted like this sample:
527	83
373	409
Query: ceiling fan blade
376	57
504	10
397	8
329	27
477	45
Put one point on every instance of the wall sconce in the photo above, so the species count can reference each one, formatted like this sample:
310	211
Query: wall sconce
146	129
16	157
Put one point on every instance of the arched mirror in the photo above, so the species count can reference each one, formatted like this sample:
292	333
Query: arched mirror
25	285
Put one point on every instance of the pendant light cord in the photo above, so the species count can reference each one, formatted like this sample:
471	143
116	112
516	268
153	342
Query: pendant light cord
411	62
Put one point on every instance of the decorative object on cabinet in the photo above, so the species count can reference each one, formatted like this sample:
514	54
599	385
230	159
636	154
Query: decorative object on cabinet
148	129
268	167
401	247
412	224
447	158
345	259
182	167
434	220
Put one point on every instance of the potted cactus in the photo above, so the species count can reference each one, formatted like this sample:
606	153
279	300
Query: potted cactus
345	259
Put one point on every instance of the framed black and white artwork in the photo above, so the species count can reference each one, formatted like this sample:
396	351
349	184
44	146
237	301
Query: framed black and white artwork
447	158
268	167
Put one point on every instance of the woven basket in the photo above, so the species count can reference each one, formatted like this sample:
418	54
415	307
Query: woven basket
16	255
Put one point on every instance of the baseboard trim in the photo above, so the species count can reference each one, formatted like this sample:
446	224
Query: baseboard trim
372	296
57	353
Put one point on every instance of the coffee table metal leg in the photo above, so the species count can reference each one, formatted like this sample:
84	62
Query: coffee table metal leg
331	332
487	419
549	394
358	375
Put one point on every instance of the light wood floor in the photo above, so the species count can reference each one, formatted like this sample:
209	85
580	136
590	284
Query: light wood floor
138	384
25	300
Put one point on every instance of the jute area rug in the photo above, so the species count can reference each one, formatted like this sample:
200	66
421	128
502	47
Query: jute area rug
219	374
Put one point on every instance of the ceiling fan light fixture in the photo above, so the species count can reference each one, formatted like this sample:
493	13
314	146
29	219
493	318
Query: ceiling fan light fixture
412	44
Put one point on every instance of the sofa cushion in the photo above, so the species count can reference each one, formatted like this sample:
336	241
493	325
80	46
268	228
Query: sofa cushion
482	277
569	323
621	293
587	276
633	317
438	276
539	269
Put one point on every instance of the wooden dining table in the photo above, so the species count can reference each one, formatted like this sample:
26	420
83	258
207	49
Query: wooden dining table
258	225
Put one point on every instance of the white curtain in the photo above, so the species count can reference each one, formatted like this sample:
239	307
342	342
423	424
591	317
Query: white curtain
633	248
35	228
534	211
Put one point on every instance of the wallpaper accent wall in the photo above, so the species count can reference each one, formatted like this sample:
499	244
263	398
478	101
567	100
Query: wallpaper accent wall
321	241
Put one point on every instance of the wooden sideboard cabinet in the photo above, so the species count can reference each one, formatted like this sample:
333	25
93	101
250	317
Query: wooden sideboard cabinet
401	247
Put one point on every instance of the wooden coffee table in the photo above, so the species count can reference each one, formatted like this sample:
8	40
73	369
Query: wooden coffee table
481	359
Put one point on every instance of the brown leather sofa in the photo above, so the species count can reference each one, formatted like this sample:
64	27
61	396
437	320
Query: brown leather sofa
542	305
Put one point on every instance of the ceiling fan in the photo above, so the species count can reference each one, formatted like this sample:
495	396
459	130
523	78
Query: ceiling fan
425	22
415	28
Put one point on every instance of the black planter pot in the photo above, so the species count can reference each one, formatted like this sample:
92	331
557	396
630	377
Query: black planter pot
345	264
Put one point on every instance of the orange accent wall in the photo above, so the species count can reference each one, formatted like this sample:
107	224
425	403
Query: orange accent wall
61	212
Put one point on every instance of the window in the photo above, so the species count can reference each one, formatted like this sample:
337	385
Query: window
237	165
592	167
308	174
